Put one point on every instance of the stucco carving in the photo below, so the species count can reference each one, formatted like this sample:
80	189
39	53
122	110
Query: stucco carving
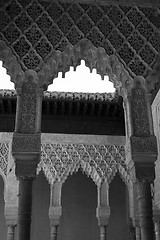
35	29
144	145
26	143
27	111
140	118
100	162
4	152
93	57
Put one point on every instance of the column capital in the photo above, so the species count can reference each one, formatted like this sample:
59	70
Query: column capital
103	214
26	151
11	215
26	144
55	213
141	154
145	146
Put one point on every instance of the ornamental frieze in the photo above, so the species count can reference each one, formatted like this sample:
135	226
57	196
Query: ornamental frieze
100	162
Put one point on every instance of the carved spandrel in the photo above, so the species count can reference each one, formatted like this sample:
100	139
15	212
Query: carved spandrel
98	161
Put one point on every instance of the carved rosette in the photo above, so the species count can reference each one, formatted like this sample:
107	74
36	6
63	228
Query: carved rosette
100	162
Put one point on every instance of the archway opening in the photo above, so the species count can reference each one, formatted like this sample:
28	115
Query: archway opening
79	202
5	80
40	227
3	227
81	80
118	227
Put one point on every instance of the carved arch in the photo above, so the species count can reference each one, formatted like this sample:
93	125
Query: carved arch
100	162
93	57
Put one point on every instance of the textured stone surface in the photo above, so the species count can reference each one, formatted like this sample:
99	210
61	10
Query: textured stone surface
129	31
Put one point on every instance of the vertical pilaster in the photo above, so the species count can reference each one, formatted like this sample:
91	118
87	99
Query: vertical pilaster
26	146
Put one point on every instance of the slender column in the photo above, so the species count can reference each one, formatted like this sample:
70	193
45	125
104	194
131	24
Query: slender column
103	210
11	221
157	230
24	208
156	219
54	232
132	234
103	232
10	232
138	233
145	210
55	209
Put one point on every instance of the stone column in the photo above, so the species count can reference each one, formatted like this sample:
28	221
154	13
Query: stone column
141	150
103	210
156	219
145	209
11	221
132	230
26	146
55	209
138	232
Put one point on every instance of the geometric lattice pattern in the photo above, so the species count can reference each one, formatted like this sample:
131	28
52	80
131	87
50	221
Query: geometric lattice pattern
100	162
4	151
35	29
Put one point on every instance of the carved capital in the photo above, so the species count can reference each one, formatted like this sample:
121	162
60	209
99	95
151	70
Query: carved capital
26	143
11	215
103	214
55	214
144	145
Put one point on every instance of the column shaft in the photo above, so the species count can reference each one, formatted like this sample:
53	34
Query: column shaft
157	230
54	232
10	232
138	233
24	208
145	210
103	232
